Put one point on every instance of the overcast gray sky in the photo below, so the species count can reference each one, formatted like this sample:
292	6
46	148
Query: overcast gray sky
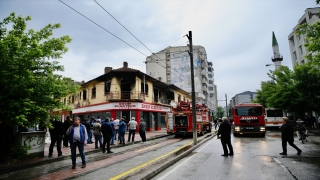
235	33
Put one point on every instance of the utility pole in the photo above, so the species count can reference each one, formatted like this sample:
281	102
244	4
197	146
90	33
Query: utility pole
193	94
226	107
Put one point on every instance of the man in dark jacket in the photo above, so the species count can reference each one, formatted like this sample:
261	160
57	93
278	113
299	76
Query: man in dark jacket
66	124
225	133
142	130
107	133
56	135
287	136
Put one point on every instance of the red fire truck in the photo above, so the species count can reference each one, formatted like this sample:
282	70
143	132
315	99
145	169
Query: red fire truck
179	120
249	118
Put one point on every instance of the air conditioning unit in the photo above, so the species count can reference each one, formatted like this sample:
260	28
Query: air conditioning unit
159	78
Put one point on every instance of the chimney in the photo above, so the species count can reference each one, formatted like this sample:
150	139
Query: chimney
107	69
125	64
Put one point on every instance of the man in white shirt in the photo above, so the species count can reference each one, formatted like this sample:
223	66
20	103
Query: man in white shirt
116	127
132	128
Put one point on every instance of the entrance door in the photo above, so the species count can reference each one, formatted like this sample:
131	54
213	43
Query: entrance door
126	114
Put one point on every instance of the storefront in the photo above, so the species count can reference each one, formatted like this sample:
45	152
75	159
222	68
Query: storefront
154	115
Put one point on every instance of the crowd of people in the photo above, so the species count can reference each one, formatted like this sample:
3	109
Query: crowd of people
77	133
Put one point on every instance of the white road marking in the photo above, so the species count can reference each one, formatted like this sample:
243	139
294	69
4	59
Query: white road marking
276	160
204	146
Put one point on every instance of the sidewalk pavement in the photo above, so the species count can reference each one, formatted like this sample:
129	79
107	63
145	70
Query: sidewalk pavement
315	131
66	152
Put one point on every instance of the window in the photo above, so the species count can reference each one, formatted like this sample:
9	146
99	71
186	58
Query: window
210	82
142	88
210	88
64	101
179	97
84	95
210	75
295	55
72	99
107	86
211	94
93	93
209	69
292	41
184	98
299	37
248	111
301	50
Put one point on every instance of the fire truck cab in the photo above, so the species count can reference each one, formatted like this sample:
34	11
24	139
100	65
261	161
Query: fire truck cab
249	118
179	120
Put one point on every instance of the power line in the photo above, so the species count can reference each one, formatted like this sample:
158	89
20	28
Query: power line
102	27
122	25
179	75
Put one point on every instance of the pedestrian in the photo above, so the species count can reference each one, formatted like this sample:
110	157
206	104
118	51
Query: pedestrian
318	121
97	133
225	133
126	121
107	133
66	124
287	136
122	130
142	130
132	128
313	122
78	137
56	135
116	127
215	121
113	135
90	132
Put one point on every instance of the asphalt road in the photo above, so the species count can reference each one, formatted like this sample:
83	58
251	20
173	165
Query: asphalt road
255	158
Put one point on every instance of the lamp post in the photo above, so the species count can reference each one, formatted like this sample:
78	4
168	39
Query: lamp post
276	66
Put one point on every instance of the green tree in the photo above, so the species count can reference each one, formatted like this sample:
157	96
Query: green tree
281	91
30	88
220	112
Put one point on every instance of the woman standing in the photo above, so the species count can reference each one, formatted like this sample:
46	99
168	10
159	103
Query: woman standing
97	133
287	136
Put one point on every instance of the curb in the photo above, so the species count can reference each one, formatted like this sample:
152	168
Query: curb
176	159
10	169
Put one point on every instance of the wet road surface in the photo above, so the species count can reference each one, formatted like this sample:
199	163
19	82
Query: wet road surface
254	158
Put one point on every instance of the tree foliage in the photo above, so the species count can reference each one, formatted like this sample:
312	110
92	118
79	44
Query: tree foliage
220	112
30	89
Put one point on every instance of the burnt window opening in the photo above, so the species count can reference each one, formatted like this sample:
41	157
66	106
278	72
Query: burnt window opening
84	95
127	84
179	97
72	99
79	95
64	101
147	88
184	98
170	95
93	93
107	86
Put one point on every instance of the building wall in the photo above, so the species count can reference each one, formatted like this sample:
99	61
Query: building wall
296	43
172	65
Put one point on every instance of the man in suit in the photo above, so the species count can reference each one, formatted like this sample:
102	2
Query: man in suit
107	132
225	133
56	134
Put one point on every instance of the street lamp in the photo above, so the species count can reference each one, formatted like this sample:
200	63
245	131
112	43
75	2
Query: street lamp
269	64
226	105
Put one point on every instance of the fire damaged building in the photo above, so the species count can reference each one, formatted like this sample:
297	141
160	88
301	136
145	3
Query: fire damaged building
127	92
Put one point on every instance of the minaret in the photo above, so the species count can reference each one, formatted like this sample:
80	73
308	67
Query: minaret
277	57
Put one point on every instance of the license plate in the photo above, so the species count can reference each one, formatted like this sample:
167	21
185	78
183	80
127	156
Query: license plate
249	128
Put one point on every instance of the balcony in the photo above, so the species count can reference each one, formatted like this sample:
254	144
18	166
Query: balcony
125	95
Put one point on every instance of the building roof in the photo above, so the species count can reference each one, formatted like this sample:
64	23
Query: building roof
274	40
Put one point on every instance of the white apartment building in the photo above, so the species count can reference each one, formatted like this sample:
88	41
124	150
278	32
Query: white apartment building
244	97
296	42
212	88
172	65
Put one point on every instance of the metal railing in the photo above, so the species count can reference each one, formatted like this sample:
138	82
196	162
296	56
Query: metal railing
118	95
